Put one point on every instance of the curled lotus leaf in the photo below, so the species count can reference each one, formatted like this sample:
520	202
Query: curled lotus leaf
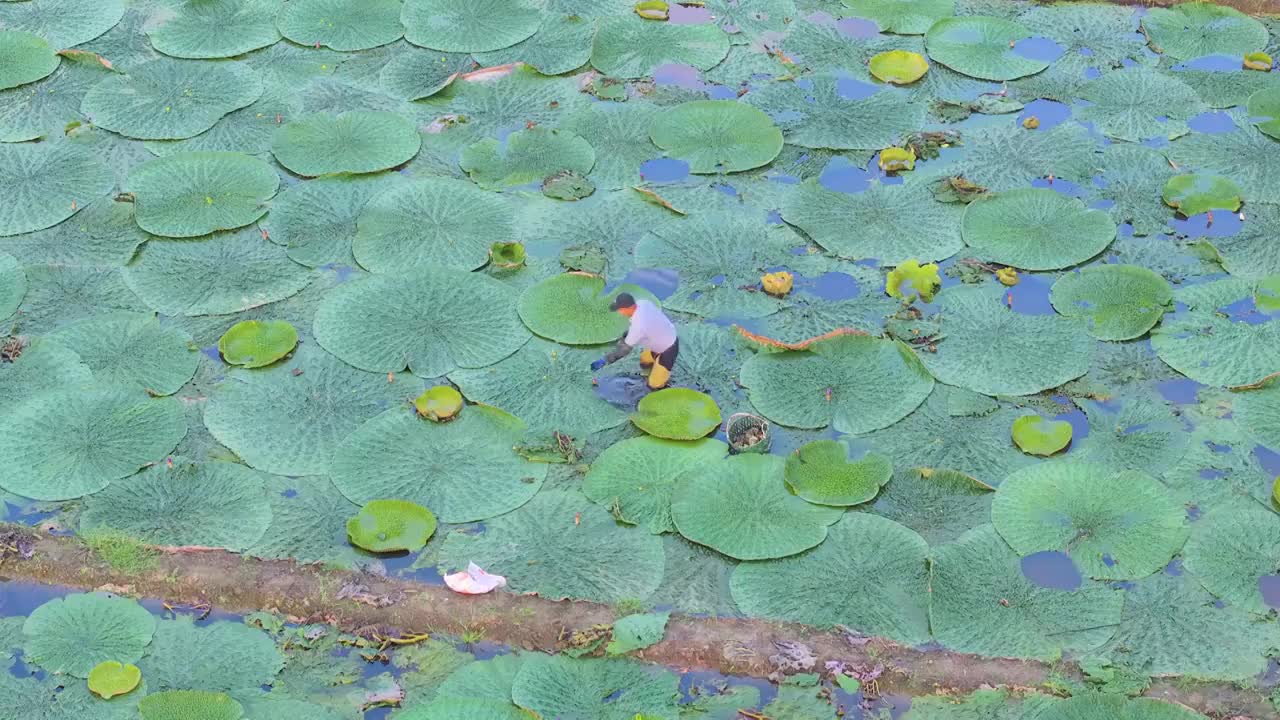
1036	436
911	281
391	526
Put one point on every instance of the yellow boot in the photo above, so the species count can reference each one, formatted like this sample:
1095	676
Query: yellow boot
646	358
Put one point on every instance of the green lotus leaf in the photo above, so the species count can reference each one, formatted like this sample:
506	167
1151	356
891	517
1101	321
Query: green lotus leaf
546	383
344	25
1118	707
43	366
903	17
560	545
1227	89
1264	111
605	689
629	46
1117	525
1036	229
1194	29
507	255
353	142
1138	103
308	522
25	58
13	285
465	469
637	632
940	505
64	23
249	130
223	656
191	194
717	136
991	349
47	183
1144	435
437	222
213	504
1258	411
899	67
217	28
1002	158
1194	194
821	115
561	44
439	403
526	156
132	349
222	273
255	343
414	74
190	705
1036	436
391	526
84	439
824	46
981	47
1214	350
53	697
741	507
477	689
616	131
72	634
696	579
110	678
316	219
1120	302
1172	626
43	108
143	104
820	472
494	106
892	223
982	603
1245	155
634	478
1267	294
891	601
58	295
1135	176
473	318
469	27
677	414
997	704
1231	548
854	383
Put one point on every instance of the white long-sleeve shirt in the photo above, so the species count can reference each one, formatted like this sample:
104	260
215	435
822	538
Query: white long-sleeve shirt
651	329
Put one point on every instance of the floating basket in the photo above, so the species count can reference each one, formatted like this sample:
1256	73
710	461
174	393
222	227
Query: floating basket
747	433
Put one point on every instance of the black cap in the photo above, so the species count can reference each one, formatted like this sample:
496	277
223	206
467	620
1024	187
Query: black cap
624	300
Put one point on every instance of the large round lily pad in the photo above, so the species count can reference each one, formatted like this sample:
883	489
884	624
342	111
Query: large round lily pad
225	656
561	44
213	504
344	25
391	526
941	505
821	114
982	603
560	545
316	219
1259	412
1193	194
47	183
1117	525
377	323
741	507
525	157
822	473
1036	229
1138	103
991	349
190	704
1215	350
132	349
13	285
556	686
627	46
890	599
24	58
572	308
68	443
677	414
717	136
854	383
1007	157
64	23
71	635
191	194
217	28
1264	110
1119	302
634	478
257	343
474	26
981	47
464	470
903	17
1232	548
353	142
1194	29
43	366
218	274
1245	155
169	99
414	73
308	522
437	222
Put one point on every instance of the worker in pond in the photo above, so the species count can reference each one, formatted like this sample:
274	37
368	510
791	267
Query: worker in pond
653	332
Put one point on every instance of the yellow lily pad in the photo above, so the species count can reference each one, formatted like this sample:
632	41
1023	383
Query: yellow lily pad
439	403
897	159
777	284
1257	61
652	9
911	280
899	67
1036	436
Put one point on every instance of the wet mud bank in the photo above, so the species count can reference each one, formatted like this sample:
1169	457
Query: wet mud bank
357	601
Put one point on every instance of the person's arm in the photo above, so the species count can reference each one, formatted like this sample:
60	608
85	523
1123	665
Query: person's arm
617	353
